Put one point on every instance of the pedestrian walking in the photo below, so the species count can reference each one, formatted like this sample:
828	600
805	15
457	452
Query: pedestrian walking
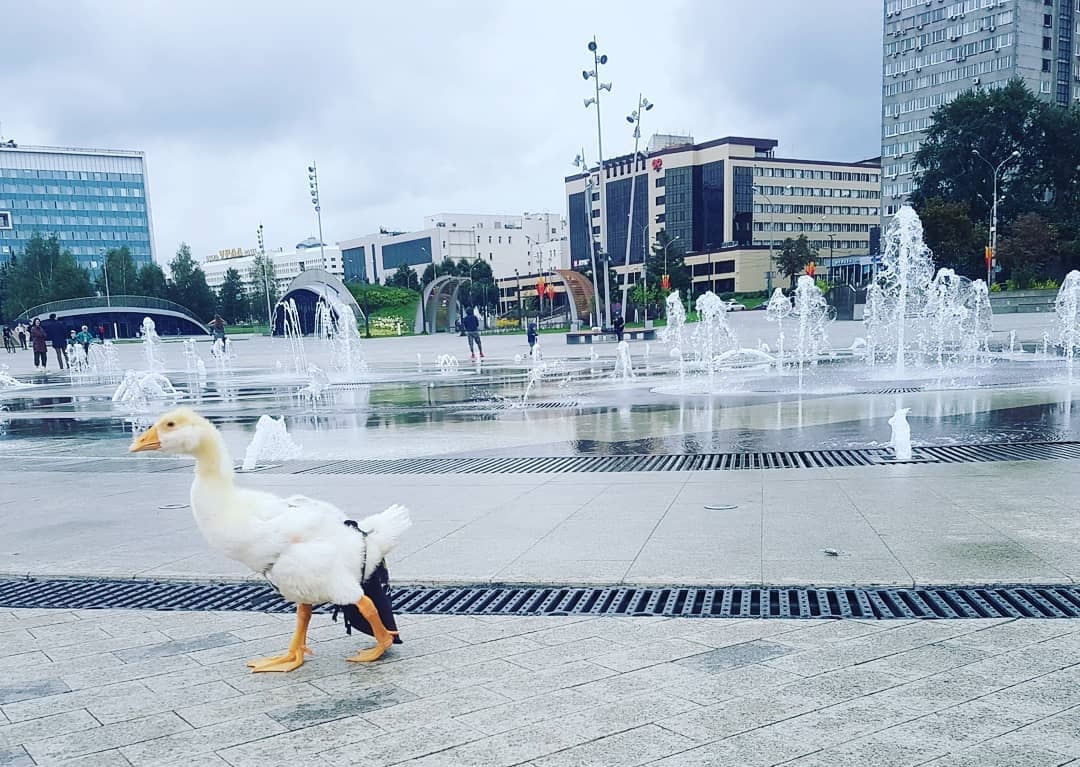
39	339
618	323
9	340
532	335
24	334
470	323
58	337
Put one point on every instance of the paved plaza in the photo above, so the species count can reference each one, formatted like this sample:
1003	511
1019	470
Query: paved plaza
133	688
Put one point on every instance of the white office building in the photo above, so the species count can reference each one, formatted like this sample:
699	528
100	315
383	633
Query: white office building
287	264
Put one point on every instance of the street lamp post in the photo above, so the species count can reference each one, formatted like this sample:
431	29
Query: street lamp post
668	245
598	60
772	229
581	163
313	186
645	271
634	118
993	214
105	271
521	314
266	282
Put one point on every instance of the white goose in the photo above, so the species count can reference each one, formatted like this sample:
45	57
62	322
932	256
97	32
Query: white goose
308	549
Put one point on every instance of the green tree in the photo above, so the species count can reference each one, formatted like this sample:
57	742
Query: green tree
1031	251
188	287
232	302
956	241
447	266
428	276
262	278
793	256
404	277
151	282
42	273
667	257
123	275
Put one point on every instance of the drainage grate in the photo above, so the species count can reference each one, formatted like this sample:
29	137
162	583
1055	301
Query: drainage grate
801	459
730	602
896	390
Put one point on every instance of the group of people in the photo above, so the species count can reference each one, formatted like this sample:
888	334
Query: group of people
52	332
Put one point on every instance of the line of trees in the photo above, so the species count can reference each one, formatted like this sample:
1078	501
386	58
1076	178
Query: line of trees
43	272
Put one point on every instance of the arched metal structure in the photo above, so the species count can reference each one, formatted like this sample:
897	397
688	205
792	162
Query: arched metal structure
579	294
121	316
306	290
438	305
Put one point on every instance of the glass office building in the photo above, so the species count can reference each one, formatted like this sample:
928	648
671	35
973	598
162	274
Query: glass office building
93	200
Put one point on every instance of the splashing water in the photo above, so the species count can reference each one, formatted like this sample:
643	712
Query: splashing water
536	372
712	336
814	314
270	443
1067	308
290	324
978	322
778	310
1012	341
8	381
448	364
901	434
142	391
624	369
336	324
907	269
155	360
318	382
672	334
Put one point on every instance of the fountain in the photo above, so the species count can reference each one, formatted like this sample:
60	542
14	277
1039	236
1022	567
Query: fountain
143	391
448	364
1067	308
336	324
270	443
907	269
712	336
293	330
104	359
901	434
318	383
672	334
155	360
8	381
624	369
777	310
814	314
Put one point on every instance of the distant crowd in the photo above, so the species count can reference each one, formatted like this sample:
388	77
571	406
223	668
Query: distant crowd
40	335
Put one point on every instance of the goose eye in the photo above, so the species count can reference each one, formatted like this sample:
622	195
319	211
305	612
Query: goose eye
171	424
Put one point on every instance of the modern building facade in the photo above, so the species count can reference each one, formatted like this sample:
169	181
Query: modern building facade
728	202
287	264
526	243
93	200
934	50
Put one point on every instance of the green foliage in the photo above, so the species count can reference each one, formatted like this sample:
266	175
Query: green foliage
123	275
376	297
41	274
188	284
262	277
151	282
793	256
232	303
956	241
674	263
1031	251
1040	179
404	277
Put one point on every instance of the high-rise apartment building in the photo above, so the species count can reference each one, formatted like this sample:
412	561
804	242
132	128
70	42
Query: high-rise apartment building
934	50
93	200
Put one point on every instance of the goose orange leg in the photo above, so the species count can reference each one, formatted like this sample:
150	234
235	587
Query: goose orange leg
294	656
383	636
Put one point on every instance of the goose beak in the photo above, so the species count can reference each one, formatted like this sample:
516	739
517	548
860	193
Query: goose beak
148	440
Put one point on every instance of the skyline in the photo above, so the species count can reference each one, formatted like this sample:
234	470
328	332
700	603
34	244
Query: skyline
464	107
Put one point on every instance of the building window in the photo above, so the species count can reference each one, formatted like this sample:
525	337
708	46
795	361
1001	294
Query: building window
1046	65
500	239
595	196
1048	20
660	200
489	239
509	240
596	230
596	213
1047	43
660	182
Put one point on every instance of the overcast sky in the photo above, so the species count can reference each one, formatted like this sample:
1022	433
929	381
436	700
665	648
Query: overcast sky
415	108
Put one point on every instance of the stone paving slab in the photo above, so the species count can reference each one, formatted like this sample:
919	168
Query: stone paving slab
547	692
894	525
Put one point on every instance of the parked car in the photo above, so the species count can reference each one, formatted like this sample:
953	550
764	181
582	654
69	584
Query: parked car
735	306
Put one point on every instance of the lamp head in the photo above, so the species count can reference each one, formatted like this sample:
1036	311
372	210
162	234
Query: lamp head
605	87
590	101
647	104
603	58
1016	153
586	74
631	117
592	45
311	168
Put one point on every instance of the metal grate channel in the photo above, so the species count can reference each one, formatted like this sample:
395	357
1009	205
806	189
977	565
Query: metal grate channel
939	602
801	459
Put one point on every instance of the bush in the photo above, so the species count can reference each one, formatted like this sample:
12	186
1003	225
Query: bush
1048	284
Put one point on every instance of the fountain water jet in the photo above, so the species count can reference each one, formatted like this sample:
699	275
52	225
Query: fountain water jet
1067	308
270	443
